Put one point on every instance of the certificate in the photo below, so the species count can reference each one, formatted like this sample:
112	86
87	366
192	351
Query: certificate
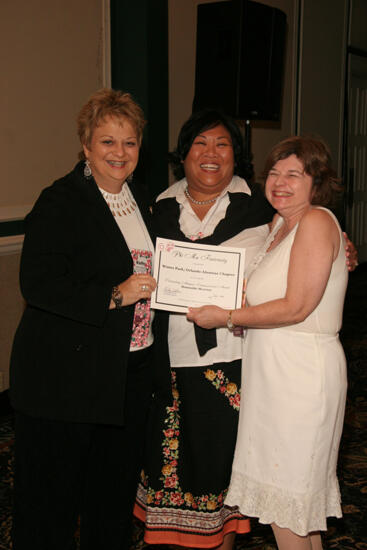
190	274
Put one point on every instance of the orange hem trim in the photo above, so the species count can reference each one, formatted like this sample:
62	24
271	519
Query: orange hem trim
139	512
162	536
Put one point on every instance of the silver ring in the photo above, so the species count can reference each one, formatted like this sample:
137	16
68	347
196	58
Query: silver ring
144	288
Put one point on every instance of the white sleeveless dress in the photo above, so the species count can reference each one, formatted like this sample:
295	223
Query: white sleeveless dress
292	405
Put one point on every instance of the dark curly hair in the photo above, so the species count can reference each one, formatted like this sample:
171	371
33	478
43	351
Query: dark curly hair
198	123
316	159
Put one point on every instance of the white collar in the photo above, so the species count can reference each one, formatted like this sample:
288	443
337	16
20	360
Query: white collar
177	190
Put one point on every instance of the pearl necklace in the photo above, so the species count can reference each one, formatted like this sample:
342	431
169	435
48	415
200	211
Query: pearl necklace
209	201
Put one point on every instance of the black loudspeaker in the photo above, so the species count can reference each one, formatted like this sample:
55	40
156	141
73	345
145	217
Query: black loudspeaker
240	59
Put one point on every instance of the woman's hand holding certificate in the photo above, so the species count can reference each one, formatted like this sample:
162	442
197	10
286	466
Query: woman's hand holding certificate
190	274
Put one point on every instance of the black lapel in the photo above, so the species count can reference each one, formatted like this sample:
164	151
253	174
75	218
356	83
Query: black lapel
93	201
243	212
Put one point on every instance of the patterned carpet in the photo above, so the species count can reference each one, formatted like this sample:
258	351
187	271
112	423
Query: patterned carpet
6	462
350	533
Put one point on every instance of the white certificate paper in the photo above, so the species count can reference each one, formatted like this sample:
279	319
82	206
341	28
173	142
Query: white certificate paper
190	274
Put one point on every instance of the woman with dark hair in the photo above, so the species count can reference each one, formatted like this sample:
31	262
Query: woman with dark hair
191	437
291	417
197	123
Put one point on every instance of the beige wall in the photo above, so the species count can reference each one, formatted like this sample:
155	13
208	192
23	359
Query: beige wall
182	45
53	58
322	72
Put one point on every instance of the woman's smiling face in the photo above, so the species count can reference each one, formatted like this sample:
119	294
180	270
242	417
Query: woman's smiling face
113	153
288	188
209	164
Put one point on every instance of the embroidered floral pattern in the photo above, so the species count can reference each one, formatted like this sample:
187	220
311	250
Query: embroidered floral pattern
142	260
198	235
227	388
172	494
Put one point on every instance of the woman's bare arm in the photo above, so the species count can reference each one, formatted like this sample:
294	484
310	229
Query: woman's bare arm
315	247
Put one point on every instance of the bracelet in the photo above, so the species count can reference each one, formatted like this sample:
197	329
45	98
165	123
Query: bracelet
117	297
230	324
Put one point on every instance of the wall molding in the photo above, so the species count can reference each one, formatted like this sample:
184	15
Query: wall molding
11	245
14	213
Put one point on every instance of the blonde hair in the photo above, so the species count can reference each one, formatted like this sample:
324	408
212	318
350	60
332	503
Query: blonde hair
106	103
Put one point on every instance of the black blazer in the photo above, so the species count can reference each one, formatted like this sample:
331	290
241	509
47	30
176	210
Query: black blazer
70	352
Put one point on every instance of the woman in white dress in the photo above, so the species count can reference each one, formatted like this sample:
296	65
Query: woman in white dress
294	377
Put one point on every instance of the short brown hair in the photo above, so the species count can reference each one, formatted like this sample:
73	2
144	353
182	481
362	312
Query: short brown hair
316	159
108	103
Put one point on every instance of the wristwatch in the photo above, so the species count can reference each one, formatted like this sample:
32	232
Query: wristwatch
230	324
116	297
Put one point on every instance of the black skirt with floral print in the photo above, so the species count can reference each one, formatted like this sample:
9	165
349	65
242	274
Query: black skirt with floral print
189	453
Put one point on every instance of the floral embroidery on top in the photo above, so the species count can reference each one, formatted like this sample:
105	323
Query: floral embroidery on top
227	388
142	260
172	494
198	235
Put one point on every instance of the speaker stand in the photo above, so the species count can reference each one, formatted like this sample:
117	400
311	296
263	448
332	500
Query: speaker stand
247	166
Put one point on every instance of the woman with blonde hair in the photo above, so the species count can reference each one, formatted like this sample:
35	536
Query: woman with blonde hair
81	367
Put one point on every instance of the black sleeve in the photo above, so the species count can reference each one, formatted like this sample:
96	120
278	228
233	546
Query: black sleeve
50	277
260	206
